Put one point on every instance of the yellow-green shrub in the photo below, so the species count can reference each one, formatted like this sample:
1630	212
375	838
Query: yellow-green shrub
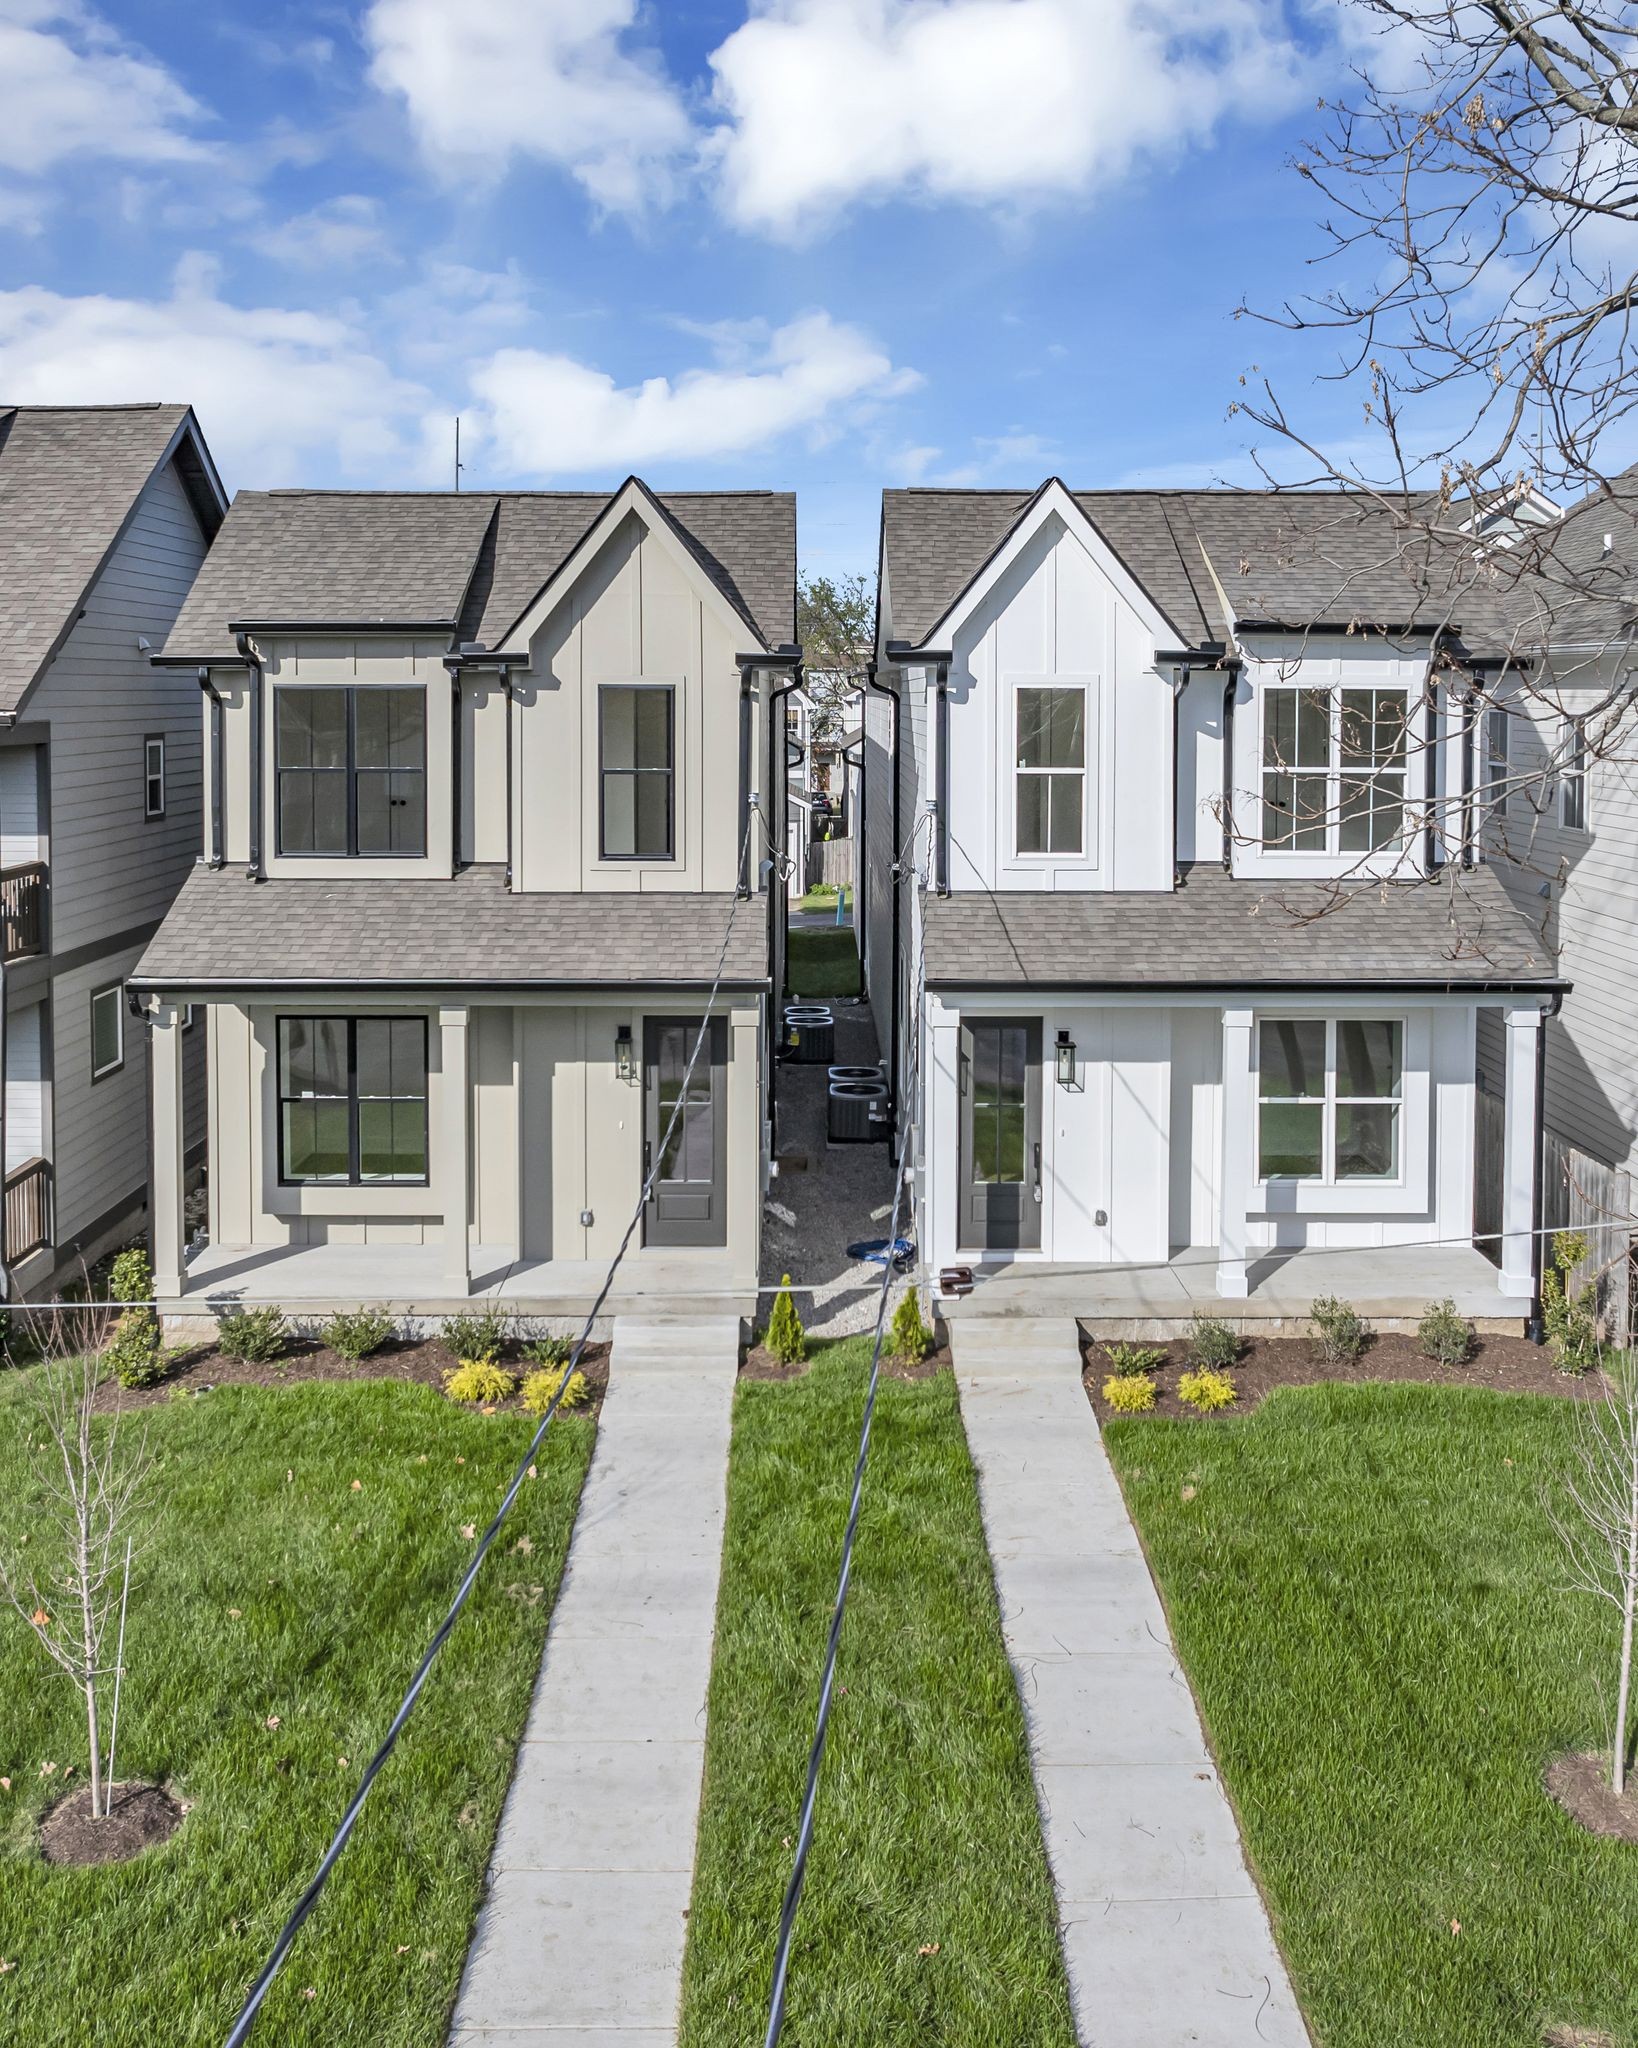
540	1389
1129	1393
478	1381
1206	1390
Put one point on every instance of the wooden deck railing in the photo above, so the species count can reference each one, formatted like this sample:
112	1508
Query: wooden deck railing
23	910
28	1209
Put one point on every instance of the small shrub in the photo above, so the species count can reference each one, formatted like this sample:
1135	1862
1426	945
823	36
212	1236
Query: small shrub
550	1350
540	1389
1340	1330
479	1381
358	1333
1126	1361
1213	1344
1571	1319
134	1353
480	1337
131	1277
908	1338
785	1337
256	1336
1206	1391
1445	1335
1129	1393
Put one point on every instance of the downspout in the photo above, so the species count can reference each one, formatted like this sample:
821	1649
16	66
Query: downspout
746	797
454	767
941	819
1470	720
1430	704
1230	691
214	855
251	655
1536	1329
892	697
1179	685
506	692
778	905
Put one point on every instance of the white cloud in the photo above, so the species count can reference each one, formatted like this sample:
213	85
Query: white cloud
549	415
553	79
283	396
827	103
73	88
337	232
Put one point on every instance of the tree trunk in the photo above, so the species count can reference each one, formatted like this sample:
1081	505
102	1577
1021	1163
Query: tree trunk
1629	1596
96	1747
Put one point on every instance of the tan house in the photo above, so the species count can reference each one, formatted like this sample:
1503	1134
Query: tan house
489	814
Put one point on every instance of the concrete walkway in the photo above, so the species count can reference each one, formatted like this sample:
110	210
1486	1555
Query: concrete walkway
1164	1932
580	1940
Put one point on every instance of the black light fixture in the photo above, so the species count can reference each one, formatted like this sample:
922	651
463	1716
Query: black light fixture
625	1062
1066	1060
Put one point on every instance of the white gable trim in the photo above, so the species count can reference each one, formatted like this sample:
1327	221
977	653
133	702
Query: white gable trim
1052	499
633	496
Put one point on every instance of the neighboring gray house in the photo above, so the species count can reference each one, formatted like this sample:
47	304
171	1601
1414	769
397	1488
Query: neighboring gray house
1182	948
492	789
106	513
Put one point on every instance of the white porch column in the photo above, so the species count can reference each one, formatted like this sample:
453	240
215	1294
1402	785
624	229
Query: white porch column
456	1170
1520	1113
166	1170
1236	1169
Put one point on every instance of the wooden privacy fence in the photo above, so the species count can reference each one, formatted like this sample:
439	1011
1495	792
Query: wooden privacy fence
1577	1193
830	860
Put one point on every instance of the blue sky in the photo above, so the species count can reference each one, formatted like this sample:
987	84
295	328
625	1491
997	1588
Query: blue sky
818	244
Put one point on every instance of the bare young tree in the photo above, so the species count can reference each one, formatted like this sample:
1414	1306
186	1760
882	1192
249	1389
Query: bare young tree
1597	1521
66	1575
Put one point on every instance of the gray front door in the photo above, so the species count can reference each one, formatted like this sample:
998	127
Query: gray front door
1001	1133
687	1203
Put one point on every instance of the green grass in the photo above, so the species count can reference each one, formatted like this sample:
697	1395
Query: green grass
927	1829
337	1594
825	899
1366	1594
822	961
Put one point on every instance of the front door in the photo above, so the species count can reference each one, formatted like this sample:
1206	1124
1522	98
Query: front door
1001	1133
687	1203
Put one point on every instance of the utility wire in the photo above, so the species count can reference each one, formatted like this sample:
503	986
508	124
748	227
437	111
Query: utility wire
310	1897
816	1753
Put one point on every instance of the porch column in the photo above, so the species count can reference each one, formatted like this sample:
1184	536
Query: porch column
1520	1114
166	1171
456	1169
1236	1165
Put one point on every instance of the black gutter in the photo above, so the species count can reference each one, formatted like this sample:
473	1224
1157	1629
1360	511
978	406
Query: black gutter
172	985
1355	628
251	655
893	877
238	626
1535	1327
1035	990
214	856
1230	690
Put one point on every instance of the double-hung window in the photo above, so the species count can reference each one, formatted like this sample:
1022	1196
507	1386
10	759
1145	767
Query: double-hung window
1572	779
153	776
107	1031
1049	783
1333	768
1329	1092
353	1099
636	759
1497	747
351	766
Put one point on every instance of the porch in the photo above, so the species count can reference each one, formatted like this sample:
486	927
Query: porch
1390	1285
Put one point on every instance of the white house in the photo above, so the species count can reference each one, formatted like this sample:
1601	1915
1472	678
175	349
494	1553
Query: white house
1185	992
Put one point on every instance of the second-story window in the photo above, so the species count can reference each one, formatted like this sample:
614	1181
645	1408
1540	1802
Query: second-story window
1496	748
635	755
352	770
153	776
1050	778
1333	768
1572	780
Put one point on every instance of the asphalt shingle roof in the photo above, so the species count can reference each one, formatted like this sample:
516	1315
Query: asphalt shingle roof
70	477
477	558
224	929
1296	559
1222	932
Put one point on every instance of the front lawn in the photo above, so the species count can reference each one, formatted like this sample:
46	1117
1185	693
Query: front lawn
928	1915
822	960
276	1619
1366	1595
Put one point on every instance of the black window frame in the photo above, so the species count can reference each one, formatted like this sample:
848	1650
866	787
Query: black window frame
355	1178
151	775
669	771
115	989
349	771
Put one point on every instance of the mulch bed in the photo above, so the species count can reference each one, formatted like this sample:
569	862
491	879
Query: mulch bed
141	1817
1507	1364
1580	1783
423	1364
760	1364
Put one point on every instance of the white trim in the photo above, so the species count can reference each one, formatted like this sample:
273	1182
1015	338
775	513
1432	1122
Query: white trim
1086	853
1329	1101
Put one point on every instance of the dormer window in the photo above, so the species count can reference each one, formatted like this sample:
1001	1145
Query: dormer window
1050	780
1334	763
351	768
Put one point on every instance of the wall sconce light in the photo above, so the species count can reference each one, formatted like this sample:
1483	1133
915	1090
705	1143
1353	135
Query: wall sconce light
625	1061
1066	1060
